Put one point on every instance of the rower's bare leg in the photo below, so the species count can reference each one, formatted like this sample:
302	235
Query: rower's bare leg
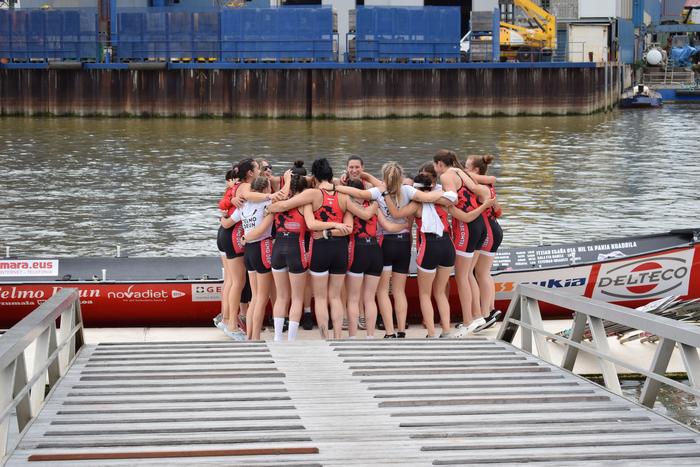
369	292
398	291
385	306
335	285
487	290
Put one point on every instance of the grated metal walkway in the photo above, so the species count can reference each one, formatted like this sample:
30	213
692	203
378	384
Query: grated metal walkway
409	403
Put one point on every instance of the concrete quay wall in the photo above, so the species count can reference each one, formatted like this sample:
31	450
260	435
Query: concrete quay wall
310	92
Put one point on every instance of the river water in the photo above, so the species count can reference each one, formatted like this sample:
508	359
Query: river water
73	186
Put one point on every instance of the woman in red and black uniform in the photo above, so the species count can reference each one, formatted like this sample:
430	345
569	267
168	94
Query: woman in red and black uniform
477	166
225	244
327	215
290	259
468	233
365	262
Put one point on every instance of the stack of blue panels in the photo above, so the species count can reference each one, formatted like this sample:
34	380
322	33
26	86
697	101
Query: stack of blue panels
165	34
34	34
407	33
277	34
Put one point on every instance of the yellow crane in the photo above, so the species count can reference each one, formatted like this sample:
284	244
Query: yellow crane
533	39
539	37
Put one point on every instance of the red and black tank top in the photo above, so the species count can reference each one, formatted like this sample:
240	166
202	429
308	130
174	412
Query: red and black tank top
466	199
330	210
365	228
291	221
225	203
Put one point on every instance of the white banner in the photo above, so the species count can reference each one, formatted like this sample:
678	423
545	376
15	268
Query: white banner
28	267
207	292
649	278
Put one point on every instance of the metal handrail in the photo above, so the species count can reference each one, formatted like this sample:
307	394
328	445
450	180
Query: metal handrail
55	350
524	315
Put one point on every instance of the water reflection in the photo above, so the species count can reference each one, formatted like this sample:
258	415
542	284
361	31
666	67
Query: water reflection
80	186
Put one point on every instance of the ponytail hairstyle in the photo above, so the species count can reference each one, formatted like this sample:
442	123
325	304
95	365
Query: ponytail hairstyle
481	163
299	168
423	182
260	184
243	167
321	170
230	175
392	173
447	157
297	183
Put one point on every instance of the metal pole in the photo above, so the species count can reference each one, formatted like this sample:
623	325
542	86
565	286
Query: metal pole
496	35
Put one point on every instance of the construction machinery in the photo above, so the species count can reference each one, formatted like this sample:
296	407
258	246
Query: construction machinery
527	32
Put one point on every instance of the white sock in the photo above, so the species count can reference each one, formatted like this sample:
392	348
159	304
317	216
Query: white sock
292	331
279	325
307	310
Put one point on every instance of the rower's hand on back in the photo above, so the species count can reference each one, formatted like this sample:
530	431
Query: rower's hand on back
490	202
279	196
236	201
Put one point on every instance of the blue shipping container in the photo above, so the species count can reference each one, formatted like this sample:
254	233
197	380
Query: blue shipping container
35	34
165	34
277	34
407	33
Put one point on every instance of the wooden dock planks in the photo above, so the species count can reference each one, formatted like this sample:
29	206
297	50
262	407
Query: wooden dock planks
332	403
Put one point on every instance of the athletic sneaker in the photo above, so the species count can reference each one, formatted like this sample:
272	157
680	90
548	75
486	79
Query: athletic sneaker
236	335
389	336
345	324
361	323
241	321
490	321
307	321
400	335
218	319
464	331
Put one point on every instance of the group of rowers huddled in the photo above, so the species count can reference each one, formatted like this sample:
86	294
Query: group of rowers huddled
353	234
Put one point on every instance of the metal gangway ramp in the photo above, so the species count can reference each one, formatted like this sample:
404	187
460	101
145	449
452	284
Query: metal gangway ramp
350	402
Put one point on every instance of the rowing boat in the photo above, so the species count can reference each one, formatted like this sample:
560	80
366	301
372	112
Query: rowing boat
178	291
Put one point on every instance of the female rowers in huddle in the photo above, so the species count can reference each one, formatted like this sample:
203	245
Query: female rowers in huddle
258	253
476	167
366	260
435	253
468	233
325	214
396	247
244	172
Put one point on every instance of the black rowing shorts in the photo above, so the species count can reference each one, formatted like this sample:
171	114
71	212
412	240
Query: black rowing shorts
396	252
365	257
289	254
224	242
434	251
258	256
329	256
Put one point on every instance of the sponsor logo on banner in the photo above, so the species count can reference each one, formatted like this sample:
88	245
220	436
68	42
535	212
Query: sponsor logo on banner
572	280
136	293
645	278
207	292
178	294
28	267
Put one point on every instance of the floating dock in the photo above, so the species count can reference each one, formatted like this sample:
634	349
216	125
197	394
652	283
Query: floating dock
412	402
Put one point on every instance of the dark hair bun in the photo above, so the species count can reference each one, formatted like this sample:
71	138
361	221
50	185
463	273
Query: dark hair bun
488	159
298	163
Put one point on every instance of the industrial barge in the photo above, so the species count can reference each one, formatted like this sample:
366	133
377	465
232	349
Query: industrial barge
160	291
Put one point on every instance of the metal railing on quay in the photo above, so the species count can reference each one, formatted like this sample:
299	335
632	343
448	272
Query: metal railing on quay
524	315
55	348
